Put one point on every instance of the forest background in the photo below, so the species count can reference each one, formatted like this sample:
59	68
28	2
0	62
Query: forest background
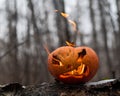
27	27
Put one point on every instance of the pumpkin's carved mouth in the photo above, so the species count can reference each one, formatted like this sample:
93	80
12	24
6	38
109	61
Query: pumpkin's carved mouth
81	71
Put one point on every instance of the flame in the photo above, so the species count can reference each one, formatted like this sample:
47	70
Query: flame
64	15
70	44
73	24
69	20
56	11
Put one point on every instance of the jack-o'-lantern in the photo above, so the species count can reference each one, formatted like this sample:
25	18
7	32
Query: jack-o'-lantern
73	65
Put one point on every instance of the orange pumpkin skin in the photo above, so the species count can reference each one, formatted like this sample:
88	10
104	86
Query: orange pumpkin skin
73	65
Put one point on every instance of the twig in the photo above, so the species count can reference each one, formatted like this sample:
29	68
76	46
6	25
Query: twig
14	47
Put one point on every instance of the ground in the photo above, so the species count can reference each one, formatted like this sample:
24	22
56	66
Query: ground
109	87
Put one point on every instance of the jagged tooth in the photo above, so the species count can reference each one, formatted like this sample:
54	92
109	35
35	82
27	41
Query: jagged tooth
81	68
60	63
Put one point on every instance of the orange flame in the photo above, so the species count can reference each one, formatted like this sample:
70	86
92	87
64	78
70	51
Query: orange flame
73	24
70	21
64	15
56	10
70	44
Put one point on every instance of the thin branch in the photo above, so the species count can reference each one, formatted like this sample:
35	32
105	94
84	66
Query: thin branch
14	47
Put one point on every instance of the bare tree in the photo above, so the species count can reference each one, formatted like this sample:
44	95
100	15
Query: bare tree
61	22
104	34
117	50
78	34
26	62
13	41
40	66
27	57
94	34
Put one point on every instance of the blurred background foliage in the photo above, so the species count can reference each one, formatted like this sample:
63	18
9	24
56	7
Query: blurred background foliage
27	26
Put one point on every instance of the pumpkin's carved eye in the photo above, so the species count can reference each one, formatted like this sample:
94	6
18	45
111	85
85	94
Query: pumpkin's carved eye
56	60
82	54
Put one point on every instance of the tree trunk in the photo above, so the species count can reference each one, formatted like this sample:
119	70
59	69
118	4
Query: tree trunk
61	23
94	34
104	33
40	63
118	36
13	42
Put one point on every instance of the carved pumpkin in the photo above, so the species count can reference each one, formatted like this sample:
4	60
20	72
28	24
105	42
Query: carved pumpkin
73	65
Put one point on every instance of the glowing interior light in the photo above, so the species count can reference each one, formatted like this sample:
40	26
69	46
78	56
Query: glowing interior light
61	64
81	69
72	72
